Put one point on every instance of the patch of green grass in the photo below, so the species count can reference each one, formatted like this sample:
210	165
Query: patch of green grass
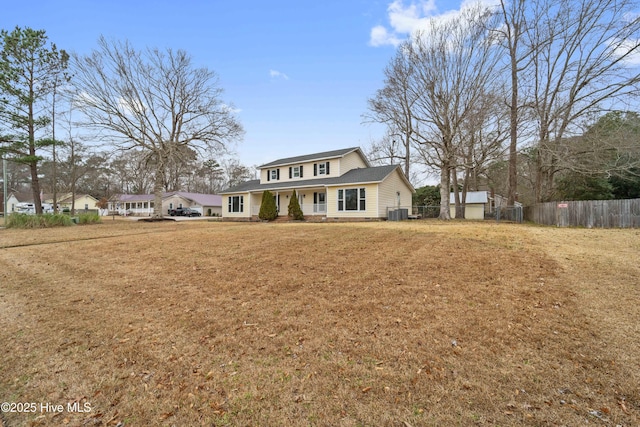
17	220
88	218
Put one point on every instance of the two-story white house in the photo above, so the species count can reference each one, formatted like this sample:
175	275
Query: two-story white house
332	185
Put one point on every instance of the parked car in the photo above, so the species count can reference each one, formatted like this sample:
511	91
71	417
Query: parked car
184	212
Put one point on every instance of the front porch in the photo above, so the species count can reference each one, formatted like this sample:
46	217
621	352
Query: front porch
144	208
312	202
308	209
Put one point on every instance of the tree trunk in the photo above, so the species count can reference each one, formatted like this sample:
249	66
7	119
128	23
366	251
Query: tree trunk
407	154
74	178
33	163
157	190
456	195
35	188
513	144
55	186
54	190
514	26
445	213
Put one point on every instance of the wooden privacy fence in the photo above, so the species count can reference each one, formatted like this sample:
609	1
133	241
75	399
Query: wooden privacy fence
586	213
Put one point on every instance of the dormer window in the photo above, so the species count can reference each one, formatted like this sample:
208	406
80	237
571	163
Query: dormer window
295	172
321	168
273	174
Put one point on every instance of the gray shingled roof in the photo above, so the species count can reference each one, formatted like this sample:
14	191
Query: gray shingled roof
354	176
310	157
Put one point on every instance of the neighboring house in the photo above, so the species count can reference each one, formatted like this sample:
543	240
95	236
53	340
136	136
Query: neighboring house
332	185
14	200
142	204
206	204
17	201
131	204
83	202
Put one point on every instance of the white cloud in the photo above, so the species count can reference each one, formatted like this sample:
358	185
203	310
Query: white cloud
380	37
278	75
406	19
629	49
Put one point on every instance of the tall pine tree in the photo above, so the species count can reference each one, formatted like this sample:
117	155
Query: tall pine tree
30	69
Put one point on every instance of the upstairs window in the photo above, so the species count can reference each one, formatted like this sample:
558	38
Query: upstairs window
295	172
273	174
321	168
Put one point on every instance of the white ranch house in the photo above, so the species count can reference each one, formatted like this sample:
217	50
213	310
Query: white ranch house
142	204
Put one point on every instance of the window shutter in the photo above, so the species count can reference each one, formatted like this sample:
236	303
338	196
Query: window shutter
290	172
315	169
300	171
327	168
315	198
268	175
278	174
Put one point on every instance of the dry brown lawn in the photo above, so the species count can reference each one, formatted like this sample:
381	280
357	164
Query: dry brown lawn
369	324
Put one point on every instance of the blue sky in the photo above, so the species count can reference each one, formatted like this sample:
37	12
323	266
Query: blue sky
299	72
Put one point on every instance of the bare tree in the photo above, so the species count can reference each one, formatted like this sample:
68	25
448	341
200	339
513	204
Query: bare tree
482	141
609	146
453	63
181	166
392	105
131	172
513	15
155	101
236	173
581	52
386	151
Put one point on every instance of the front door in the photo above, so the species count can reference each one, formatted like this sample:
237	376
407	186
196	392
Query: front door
319	202
276	197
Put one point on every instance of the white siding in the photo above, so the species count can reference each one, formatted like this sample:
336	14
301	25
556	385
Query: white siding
388	193
246	212
371	202
337	167
351	161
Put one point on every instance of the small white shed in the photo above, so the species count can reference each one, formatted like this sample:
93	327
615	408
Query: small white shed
475	204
